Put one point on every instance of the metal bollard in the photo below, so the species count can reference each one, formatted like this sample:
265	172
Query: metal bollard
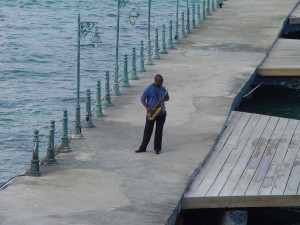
88	123
204	10
148	56
198	12
163	49
193	16
50	158
141	61
98	106
183	35
133	75
65	139
125	82
35	163
170	39
155	51
107	101
208	8
188	25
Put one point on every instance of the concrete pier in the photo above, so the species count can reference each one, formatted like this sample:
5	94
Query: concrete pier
102	181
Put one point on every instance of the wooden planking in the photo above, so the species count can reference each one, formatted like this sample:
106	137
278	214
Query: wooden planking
295	16
241	201
220	160
283	59
250	169
265	162
233	157
286	167
257	165
269	180
235	116
244	159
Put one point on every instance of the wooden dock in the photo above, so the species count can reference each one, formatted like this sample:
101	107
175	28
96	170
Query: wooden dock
295	16
256	163
283	59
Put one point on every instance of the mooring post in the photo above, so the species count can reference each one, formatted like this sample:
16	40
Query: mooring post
193	16
125	82
133	75
183	35
107	90
50	158
65	139
198	12
141	61
98	106
170	39
163	49
35	162
204	10
88	123
188	25
155	51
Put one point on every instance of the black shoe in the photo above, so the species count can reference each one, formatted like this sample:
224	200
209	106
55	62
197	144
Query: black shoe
157	151
139	151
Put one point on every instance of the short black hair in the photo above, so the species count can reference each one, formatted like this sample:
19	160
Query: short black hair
158	76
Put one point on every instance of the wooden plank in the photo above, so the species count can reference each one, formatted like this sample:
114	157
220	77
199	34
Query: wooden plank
220	160
283	59
241	201
265	162
286	168
250	169
293	181
235	117
244	159
233	157
268	183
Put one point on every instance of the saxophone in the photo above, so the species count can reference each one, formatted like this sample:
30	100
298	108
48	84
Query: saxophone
157	108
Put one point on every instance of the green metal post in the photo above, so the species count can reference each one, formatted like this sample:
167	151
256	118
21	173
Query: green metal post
116	75
188	25
204	10
183	35
213	5
198	12
65	139
141	61
193	16
133	75
107	90
170	39
88	123
163	49
155	51
35	162
98	107
148	57
208	8
176	37
77	130
125	82
50	158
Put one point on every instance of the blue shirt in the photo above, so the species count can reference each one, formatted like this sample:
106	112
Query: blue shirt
151	98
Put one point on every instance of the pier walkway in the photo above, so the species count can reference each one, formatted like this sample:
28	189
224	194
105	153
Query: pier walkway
102	181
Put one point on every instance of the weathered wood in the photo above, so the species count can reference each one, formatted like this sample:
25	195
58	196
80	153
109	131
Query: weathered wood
256	164
244	159
283	59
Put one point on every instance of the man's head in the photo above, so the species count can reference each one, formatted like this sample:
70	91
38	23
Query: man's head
158	80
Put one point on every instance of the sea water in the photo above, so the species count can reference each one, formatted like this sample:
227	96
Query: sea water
38	64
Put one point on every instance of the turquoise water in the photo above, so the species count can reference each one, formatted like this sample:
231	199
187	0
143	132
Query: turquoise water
38	64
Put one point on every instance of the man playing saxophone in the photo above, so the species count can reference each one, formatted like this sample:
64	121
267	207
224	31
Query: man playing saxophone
153	99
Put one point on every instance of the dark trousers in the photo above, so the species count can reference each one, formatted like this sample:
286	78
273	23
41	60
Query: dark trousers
159	121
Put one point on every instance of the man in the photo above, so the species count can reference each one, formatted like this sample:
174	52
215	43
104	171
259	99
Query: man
150	97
